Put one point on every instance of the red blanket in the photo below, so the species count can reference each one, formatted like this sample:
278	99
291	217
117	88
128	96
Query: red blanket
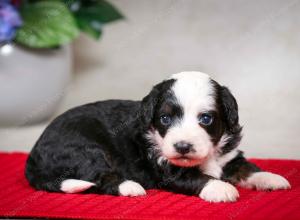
18	199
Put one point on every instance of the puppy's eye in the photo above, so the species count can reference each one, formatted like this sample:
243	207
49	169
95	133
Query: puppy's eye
165	120
205	119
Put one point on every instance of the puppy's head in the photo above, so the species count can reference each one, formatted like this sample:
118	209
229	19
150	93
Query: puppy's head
188	117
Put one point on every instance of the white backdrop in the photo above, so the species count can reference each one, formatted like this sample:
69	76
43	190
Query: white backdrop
253	47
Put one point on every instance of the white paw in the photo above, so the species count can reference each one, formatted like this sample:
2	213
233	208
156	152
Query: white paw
131	188
219	191
75	186
266	181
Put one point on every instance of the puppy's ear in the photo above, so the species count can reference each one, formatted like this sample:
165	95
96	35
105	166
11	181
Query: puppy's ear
230	109
149	103
147	107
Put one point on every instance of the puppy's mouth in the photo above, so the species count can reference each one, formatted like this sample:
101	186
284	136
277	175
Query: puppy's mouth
185	161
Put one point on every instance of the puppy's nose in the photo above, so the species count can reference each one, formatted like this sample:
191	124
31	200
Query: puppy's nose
183	147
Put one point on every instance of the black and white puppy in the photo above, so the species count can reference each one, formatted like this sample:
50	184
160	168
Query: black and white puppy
181	137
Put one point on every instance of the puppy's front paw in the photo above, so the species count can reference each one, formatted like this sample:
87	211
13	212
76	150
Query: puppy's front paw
265	181
131	188
219	191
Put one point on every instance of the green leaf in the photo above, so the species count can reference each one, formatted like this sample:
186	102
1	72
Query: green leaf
99	10
46	24
92	15
91	27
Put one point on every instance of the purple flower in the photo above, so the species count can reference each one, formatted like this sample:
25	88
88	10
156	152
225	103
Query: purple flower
9	21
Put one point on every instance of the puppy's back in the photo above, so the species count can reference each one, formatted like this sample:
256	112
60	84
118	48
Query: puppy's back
56	153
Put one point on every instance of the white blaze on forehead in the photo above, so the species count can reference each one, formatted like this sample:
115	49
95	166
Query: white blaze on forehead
187	74
194	91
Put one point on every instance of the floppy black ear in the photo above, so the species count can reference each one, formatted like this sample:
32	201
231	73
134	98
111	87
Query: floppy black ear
230	109
147	107
150	102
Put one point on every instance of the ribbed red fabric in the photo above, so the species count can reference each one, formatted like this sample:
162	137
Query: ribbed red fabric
18	199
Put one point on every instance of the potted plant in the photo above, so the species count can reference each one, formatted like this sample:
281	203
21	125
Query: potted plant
35	59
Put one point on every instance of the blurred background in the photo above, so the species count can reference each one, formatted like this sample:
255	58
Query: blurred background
253	47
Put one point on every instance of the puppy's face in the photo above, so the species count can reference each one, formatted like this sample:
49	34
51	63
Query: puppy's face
187	118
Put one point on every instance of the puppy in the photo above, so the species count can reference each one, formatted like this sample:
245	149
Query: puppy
181	137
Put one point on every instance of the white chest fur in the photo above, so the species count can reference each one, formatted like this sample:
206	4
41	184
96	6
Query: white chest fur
213	166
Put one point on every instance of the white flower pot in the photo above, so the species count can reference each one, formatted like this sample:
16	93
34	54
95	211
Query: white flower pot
32	83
